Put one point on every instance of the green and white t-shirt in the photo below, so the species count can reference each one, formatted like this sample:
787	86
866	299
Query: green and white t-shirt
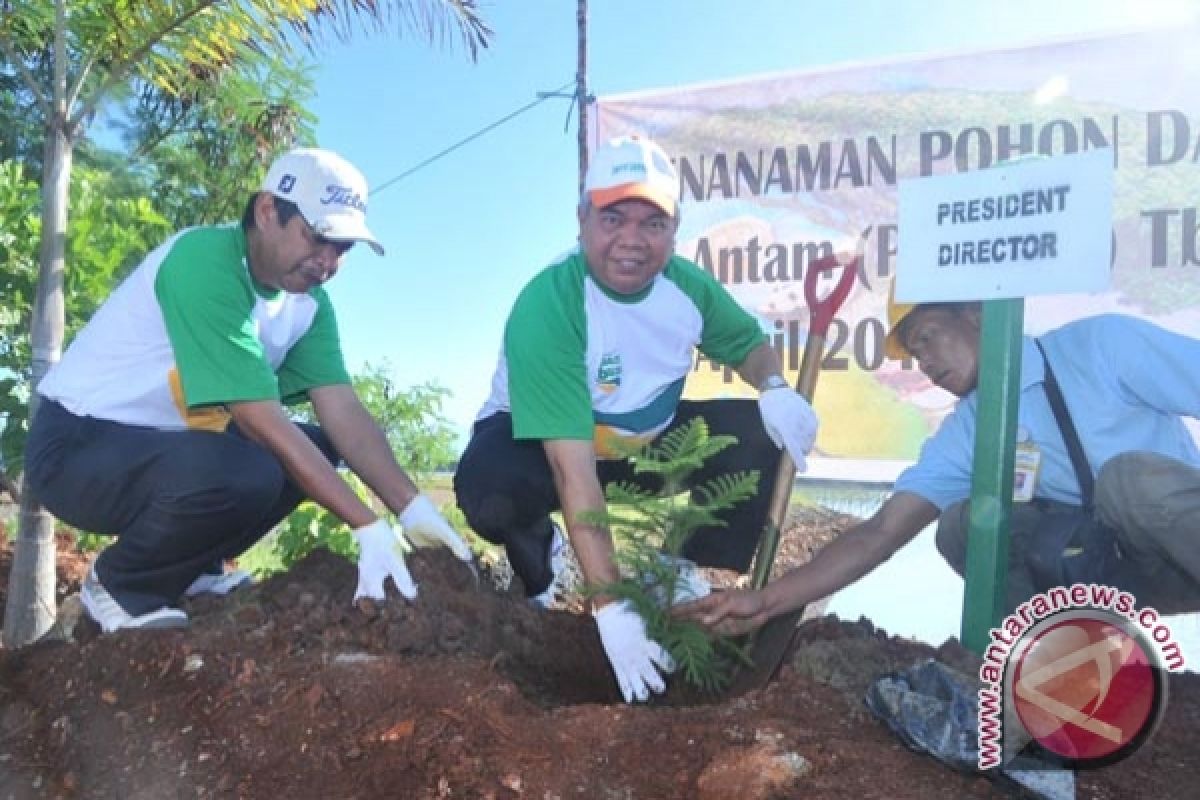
190	331
582	362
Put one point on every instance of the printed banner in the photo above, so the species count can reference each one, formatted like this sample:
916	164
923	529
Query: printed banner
776	171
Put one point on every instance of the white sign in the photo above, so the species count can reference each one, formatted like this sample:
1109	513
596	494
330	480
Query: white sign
1034	227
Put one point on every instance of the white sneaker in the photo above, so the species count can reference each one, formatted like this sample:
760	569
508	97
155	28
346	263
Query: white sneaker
109	615
558	562
222	583
690	585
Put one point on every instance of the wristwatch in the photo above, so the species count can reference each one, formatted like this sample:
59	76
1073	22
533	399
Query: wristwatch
775	381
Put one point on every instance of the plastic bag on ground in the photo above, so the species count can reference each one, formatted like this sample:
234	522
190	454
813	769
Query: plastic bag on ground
933	709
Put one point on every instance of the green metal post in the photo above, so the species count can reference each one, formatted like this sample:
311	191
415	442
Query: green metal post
992	474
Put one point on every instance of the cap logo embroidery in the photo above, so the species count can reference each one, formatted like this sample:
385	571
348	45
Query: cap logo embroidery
287	183
343	196
637	167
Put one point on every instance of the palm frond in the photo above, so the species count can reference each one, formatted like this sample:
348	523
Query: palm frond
176	44
440	22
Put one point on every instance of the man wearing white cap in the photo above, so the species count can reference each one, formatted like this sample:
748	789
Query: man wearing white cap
596	349
164	423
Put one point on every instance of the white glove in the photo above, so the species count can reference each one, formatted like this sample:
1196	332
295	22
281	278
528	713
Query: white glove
790	422
377	559
426	527
632	655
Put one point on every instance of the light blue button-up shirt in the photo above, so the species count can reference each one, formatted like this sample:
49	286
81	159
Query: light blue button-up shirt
1127	383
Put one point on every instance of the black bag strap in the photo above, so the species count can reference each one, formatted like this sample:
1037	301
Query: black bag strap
1083	472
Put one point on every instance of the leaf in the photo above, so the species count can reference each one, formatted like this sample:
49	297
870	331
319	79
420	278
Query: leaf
727	490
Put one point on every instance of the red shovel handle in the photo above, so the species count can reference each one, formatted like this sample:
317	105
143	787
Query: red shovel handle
821	312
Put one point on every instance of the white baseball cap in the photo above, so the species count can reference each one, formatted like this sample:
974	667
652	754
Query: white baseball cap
329	191
631	167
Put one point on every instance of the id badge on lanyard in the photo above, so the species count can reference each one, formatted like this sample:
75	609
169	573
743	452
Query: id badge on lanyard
1026	464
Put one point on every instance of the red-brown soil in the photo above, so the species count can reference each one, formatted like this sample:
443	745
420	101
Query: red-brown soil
287	690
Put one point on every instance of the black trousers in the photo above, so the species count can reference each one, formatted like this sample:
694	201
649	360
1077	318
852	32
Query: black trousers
179	502
506	489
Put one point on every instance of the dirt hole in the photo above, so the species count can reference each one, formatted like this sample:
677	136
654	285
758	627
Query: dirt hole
553	657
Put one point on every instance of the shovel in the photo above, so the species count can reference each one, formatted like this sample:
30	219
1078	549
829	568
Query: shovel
770	642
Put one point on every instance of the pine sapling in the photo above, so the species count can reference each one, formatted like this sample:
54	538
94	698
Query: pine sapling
650	528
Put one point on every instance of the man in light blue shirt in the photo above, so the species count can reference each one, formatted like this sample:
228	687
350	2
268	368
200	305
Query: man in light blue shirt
1127	384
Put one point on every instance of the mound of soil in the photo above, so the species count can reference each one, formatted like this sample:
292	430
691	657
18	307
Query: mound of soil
287	689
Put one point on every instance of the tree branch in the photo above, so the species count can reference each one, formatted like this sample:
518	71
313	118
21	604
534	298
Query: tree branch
84	69
120	68
173	129
27	77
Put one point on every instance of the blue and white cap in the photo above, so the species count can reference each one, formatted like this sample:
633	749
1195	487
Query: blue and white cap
329	191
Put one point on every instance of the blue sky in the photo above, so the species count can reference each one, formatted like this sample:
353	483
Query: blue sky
465	233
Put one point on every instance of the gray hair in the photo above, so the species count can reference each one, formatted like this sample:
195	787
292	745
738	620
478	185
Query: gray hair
961	307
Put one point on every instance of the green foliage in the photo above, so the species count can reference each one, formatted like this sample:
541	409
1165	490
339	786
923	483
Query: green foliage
420	436
21	119
111	230
91	542
646	524
206	148
261	560
109	236
310	526
115	49
19	228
